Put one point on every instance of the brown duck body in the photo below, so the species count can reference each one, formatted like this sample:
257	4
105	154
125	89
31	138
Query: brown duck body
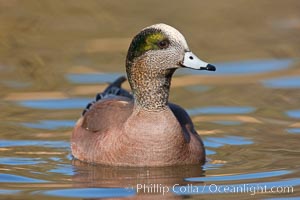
113	132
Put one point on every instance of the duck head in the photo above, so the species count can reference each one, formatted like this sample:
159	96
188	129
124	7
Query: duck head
163	45
153	56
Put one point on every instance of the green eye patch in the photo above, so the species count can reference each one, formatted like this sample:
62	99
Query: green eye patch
145	41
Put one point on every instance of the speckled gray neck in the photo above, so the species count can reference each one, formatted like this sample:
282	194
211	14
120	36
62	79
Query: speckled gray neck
150	65
150	88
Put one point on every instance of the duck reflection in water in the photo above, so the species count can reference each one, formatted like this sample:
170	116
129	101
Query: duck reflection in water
146	182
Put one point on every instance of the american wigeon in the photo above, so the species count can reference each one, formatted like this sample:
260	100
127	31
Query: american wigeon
143	129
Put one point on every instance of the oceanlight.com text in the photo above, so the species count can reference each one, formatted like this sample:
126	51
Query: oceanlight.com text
251	189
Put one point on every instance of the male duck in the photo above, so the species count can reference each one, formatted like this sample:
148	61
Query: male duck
143	129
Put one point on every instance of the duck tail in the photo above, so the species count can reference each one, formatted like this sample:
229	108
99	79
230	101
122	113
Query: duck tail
115	89
117	83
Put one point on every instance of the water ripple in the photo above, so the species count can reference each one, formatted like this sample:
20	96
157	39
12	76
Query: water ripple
216	142
63	169
93	78
245	67
283	82
293	130
91	192
228	123
50	124
285	198
56	104
293	113
220	110
2	191
42	143
20	161
9	178
239	176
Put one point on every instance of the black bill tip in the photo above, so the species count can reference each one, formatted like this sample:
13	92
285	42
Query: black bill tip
209	67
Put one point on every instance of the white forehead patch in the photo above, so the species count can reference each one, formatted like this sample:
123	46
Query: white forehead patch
171	32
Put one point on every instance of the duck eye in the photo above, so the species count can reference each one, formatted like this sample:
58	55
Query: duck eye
163	44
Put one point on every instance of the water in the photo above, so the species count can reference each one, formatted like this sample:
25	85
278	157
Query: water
284	82
56	104
247	112
246	67
242	140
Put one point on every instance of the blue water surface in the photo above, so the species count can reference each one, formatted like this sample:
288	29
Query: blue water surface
239	176
41	143
56	104
20	161
294	113
50	124
244	67
220	110
293	130
10	178
91	192
227	123
2	191
216	142
290	82
99	78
